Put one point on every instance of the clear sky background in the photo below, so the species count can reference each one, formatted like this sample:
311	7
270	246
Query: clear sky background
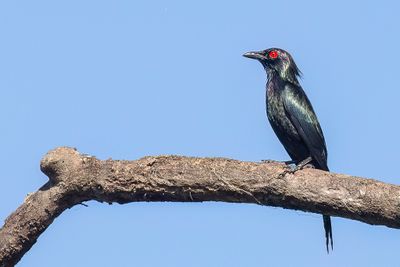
125	79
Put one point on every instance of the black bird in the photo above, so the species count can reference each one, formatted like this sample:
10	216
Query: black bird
291	115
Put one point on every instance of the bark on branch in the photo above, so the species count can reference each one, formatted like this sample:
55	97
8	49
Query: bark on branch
74	178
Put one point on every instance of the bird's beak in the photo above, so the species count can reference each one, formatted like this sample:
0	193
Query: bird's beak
254	55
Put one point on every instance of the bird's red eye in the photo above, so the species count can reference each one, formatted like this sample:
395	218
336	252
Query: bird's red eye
273	54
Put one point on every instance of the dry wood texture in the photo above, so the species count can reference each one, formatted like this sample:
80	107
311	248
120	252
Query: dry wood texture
74	178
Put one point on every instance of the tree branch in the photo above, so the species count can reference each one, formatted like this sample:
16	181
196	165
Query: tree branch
74	178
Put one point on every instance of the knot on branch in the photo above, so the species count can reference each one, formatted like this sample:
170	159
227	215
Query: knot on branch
58	164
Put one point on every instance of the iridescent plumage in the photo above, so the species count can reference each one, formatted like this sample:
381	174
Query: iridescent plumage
291	114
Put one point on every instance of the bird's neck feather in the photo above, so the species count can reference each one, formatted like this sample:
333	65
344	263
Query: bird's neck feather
285	75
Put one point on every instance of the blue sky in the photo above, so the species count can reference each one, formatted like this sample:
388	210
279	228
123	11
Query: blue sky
125	79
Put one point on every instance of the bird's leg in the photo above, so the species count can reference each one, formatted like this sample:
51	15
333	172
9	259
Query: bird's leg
301	164
304	162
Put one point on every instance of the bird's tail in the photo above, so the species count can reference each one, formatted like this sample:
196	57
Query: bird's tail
328	232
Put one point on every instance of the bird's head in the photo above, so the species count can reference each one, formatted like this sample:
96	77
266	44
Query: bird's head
277	61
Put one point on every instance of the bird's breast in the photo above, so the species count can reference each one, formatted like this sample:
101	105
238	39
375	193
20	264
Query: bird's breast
277	115
275	108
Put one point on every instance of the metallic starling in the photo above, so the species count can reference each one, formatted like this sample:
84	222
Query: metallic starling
292	117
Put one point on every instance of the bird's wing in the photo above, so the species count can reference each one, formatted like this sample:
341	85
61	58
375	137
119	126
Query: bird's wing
302	115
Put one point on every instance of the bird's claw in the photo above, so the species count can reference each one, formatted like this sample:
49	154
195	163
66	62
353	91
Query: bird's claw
294	168
288	162
267	161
